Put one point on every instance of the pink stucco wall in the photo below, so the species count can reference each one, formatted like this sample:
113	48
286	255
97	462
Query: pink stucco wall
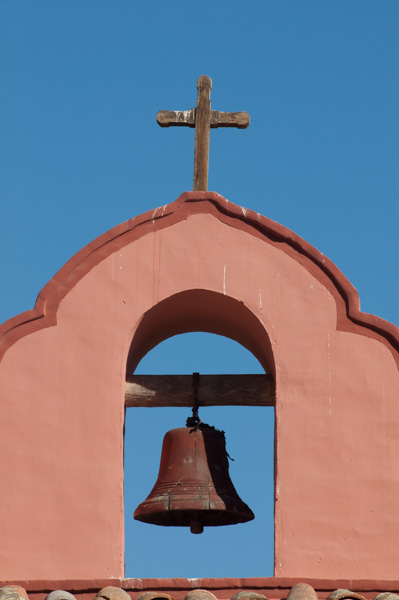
62	391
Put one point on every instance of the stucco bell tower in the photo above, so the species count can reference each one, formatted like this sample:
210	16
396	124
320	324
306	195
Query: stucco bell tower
200	263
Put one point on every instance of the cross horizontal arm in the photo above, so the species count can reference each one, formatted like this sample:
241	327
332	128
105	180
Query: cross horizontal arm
213	390
167	118
229	119
173	118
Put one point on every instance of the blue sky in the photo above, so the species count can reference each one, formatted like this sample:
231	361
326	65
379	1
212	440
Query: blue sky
80	151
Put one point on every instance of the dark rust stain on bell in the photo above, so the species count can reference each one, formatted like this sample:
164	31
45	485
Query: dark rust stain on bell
193	488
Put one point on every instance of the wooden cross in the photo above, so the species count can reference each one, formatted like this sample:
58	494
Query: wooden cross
203	119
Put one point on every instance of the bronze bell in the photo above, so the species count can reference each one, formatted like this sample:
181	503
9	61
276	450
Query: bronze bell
194	488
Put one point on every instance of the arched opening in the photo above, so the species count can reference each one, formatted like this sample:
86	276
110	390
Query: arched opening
201	310
231	551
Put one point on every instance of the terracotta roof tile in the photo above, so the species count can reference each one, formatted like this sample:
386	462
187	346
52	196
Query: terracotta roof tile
302	591
250	596
153	596
342	594
199	595
60	595
13	592
113	593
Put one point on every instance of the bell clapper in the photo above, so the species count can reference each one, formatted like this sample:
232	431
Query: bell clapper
196	526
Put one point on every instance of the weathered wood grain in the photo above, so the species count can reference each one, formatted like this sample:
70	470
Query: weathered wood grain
202	131
213	390
184	118
229	119
168	118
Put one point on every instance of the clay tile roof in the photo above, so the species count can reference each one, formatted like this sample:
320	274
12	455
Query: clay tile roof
299	591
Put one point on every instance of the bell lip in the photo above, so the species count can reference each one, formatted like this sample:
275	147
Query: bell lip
224	506
183	518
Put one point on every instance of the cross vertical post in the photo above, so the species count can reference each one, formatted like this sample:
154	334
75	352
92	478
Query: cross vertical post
202	134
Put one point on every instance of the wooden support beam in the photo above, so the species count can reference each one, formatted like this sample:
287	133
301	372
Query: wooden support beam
213	390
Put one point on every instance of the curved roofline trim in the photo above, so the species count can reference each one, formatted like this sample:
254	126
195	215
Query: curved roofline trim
349	315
